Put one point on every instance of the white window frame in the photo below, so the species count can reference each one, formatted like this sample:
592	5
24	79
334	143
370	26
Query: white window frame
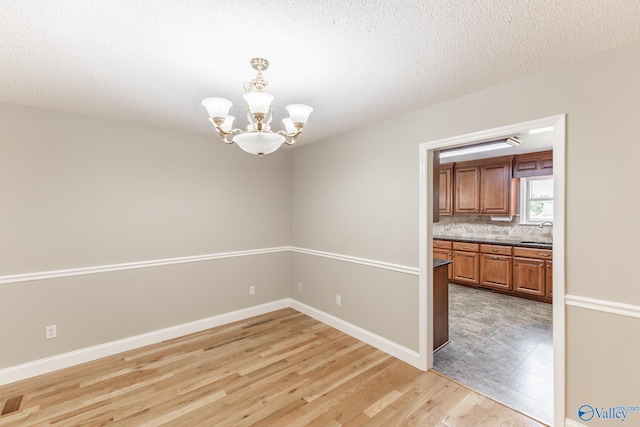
524	200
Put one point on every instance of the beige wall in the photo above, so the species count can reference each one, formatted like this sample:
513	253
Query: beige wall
99	308
357	194
82	192
370	297
79	192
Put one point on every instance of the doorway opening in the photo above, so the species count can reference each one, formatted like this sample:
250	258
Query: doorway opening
427	150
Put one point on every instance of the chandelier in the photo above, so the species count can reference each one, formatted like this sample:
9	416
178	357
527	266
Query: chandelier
258	139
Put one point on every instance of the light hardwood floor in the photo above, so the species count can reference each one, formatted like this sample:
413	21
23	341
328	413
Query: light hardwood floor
278	369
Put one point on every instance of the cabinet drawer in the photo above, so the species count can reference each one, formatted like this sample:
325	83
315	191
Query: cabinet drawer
461	246
442	244
495	249
533	253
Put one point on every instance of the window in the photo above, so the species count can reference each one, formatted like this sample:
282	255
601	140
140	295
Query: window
536	200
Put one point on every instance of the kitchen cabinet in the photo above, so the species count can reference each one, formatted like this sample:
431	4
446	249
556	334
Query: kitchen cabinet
446	190
495	266
533	164
530	271
483	187
466	263
514	270
440	305
442	251
549	279
467	188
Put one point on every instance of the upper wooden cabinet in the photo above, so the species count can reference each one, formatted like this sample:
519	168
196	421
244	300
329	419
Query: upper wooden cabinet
483	187
446	190
533	164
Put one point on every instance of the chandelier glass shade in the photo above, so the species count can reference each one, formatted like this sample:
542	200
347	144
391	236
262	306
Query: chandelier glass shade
258	138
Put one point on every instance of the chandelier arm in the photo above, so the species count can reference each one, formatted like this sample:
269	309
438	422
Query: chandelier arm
249	118
288	136
224	134
270	115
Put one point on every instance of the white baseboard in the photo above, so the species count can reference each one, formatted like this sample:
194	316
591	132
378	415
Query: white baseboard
65	360
571	423
406	355
76	357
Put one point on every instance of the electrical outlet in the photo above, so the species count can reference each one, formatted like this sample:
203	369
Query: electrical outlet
50	332
252	290
300	286
338	300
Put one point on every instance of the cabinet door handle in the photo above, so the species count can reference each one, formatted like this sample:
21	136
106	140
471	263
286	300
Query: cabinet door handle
494	257
544	255
495	250
465	247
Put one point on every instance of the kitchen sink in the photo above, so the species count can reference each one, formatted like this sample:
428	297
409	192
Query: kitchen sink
537	243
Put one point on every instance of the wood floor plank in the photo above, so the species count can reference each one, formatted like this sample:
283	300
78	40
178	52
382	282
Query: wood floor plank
278	369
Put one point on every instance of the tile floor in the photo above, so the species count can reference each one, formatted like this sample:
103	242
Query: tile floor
501	346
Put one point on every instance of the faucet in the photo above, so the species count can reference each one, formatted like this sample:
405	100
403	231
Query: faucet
545	223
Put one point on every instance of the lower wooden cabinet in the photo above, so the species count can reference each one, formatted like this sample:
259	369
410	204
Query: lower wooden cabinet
495	266
549	279
440	307
515	270
466	263
442	250
530	271
529	276
447	255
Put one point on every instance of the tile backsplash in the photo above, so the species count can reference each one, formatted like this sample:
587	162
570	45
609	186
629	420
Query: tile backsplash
483	227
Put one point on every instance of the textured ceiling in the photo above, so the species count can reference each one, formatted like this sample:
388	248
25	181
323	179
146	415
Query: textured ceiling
354	61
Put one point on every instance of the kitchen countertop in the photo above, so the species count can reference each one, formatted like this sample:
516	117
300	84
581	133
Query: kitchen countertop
440	262
528	244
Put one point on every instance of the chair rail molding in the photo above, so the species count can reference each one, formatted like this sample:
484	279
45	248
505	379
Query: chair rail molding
611	307
53	274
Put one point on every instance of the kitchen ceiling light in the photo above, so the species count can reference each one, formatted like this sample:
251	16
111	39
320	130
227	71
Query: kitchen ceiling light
541	130
258	139
480	148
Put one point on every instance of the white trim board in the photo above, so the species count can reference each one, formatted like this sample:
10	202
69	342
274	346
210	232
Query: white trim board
76	357
425	230
42	275
604	306
396	350
53	274
571	423
415	271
